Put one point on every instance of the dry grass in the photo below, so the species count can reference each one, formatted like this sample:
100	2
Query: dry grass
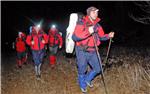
129	74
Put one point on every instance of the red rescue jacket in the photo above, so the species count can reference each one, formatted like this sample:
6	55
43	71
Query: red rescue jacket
37	38
54	38
82	36
20	45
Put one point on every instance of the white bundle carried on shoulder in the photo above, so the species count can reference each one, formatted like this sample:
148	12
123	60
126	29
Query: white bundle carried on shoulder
72	24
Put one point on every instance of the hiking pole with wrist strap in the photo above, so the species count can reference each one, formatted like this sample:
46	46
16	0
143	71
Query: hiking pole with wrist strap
98	55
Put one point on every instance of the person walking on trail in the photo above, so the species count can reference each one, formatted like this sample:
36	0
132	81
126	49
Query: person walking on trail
85	30
37	40
21	49
55	41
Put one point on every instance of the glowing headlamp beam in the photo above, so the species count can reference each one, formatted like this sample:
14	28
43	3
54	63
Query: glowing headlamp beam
38	26
53	26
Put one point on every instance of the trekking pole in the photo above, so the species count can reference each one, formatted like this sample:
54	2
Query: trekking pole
102	74
108	50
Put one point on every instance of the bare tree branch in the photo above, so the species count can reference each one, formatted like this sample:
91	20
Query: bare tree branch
144	6
143	20
142	14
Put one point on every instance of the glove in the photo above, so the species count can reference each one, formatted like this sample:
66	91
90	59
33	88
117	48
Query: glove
32	42
91	30
43	41
45	47
60	47
111	34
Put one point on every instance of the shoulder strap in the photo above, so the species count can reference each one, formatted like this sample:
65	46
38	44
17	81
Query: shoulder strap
80	22
31	34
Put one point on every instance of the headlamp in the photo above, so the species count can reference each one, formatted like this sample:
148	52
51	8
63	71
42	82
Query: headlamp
53	26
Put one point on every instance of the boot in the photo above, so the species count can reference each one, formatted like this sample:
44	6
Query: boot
24	60
38	77
83	85
83	90
52	66
19	64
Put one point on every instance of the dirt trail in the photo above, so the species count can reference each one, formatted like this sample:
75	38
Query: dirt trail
61	80
125	77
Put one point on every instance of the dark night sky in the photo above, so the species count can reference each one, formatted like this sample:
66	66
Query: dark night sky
114	15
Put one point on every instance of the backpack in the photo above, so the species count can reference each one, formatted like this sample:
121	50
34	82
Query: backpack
70	44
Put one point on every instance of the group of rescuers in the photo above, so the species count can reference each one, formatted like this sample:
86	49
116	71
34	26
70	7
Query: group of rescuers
87	28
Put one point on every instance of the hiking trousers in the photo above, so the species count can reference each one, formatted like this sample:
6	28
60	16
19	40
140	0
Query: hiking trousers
84	59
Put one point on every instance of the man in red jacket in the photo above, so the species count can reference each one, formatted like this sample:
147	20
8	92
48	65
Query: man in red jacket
37	40
85	30
21	49
54	42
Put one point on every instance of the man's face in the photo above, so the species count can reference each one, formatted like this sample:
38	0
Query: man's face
19	35
94	14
